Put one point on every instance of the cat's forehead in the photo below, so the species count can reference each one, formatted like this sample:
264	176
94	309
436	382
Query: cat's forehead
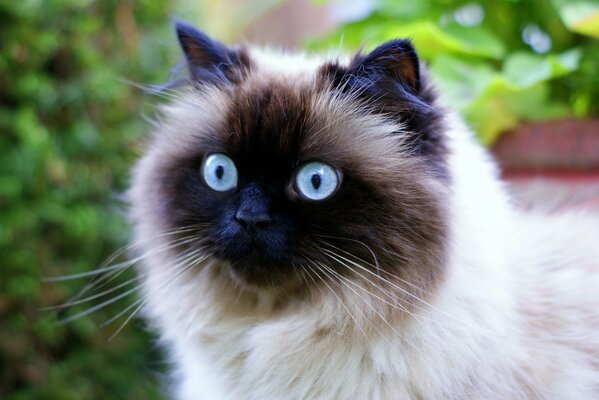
275	120
286	121
267	119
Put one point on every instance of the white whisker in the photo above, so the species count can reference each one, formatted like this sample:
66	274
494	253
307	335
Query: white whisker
93	297
102	280
97	307
349	313
166	284
373	308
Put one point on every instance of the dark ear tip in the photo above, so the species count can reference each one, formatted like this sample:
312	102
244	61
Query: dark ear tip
403	45
187	33
207	58
397	59
182	25
185	29
395	47
193	40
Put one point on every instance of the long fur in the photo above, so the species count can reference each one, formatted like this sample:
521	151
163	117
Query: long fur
508	309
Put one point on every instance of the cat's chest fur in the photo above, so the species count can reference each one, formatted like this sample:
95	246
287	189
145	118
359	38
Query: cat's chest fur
308	354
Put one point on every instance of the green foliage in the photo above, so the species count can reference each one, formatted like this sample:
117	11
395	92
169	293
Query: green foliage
70	127
500	62
580	16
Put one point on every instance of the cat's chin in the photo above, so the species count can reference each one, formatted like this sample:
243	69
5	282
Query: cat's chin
265	275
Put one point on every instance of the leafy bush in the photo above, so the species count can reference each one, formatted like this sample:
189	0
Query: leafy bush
69	129
499	62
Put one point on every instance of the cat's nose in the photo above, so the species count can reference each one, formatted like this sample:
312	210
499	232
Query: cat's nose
252	219
254	207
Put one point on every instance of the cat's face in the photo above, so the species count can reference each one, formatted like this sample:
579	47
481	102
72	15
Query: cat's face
283	178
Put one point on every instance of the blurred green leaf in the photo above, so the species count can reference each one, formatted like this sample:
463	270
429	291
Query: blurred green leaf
475	41
526	69
460	81
494	102
501	105
581	17
429	38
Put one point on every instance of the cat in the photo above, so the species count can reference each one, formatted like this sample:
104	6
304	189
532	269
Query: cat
331	229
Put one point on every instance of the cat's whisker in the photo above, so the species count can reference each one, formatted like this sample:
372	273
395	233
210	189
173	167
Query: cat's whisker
149	238
395	286
349	313
411	284
93	297
454	321
396	303
308	274
301	272
107	265
387	281
98	306
379	276
139	303
343	281
87	274
361	243
184	259
360	260
393	298
113	275
166	91
102	280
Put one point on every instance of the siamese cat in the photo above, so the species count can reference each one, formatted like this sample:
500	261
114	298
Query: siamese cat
329	229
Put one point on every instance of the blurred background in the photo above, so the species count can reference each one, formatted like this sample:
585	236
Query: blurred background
524	73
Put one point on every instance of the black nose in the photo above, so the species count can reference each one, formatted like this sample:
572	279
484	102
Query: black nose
252	218
254	207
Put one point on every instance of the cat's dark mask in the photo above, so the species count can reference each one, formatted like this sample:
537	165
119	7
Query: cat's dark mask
385	206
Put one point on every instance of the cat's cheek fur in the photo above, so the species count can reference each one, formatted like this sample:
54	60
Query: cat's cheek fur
487	330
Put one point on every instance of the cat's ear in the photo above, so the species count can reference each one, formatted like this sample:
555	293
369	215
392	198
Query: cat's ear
391	82
209	60
394	61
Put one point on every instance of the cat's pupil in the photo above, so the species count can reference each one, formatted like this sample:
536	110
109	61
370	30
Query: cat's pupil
220	171
316	181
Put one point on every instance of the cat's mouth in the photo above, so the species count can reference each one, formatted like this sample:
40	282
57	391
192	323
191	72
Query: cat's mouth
257	258
256	270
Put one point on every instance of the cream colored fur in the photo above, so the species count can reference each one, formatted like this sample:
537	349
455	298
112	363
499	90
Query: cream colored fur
516	317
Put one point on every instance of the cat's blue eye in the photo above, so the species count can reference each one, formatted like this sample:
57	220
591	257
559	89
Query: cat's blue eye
219	172
316	180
